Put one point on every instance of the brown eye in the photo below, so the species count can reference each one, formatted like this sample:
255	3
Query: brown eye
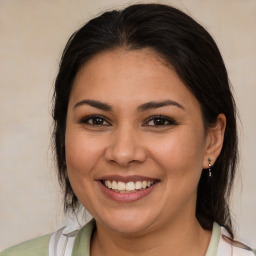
95	120
159	121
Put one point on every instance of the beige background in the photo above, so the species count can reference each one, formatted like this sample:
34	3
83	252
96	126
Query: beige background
33	34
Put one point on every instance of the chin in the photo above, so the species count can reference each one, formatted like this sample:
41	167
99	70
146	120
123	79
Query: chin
126	223
126	227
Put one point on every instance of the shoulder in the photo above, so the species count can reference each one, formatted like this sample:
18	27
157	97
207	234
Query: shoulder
37	246
71	239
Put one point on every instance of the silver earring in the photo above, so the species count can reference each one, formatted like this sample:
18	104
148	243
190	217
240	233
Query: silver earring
210	167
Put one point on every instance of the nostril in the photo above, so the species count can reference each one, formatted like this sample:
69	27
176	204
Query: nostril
125	154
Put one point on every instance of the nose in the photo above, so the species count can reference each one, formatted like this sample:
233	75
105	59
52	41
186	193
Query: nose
125	148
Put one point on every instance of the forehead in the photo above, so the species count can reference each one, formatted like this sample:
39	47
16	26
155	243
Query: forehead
124	76
125	63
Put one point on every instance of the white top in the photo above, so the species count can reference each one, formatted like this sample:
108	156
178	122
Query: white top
67	242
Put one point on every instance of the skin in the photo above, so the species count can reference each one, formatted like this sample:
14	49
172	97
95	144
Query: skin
128	142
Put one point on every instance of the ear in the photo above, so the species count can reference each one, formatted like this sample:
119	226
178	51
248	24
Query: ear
214	140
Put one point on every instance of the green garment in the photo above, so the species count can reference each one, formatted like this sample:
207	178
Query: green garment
35	247
39	246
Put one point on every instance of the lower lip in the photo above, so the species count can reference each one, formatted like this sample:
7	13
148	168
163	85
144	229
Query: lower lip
126	197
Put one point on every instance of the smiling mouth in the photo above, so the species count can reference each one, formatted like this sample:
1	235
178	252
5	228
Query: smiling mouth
127	187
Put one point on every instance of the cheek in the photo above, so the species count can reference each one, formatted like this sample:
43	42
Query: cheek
180	155
82	153
180	158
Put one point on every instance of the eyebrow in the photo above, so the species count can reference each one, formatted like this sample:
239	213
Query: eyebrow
159	104
95	104
141	108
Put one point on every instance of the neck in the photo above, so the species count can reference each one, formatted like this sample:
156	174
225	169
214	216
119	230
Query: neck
178	238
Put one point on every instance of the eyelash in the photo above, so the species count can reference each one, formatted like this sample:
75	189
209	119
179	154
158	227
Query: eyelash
92	118
162	119
165	121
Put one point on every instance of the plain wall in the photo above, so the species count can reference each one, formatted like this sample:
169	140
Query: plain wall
33	34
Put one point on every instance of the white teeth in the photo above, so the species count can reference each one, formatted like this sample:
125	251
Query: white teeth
130	186
114	184
138	185
120	185
108	184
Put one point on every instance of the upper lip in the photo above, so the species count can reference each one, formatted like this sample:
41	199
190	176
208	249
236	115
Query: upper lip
126	179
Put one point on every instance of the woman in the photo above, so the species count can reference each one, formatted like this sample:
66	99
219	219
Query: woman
145	139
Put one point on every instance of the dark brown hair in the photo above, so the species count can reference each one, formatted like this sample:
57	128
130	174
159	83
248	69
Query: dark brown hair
188	47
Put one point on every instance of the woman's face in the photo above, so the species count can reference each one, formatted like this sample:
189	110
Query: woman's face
135	142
